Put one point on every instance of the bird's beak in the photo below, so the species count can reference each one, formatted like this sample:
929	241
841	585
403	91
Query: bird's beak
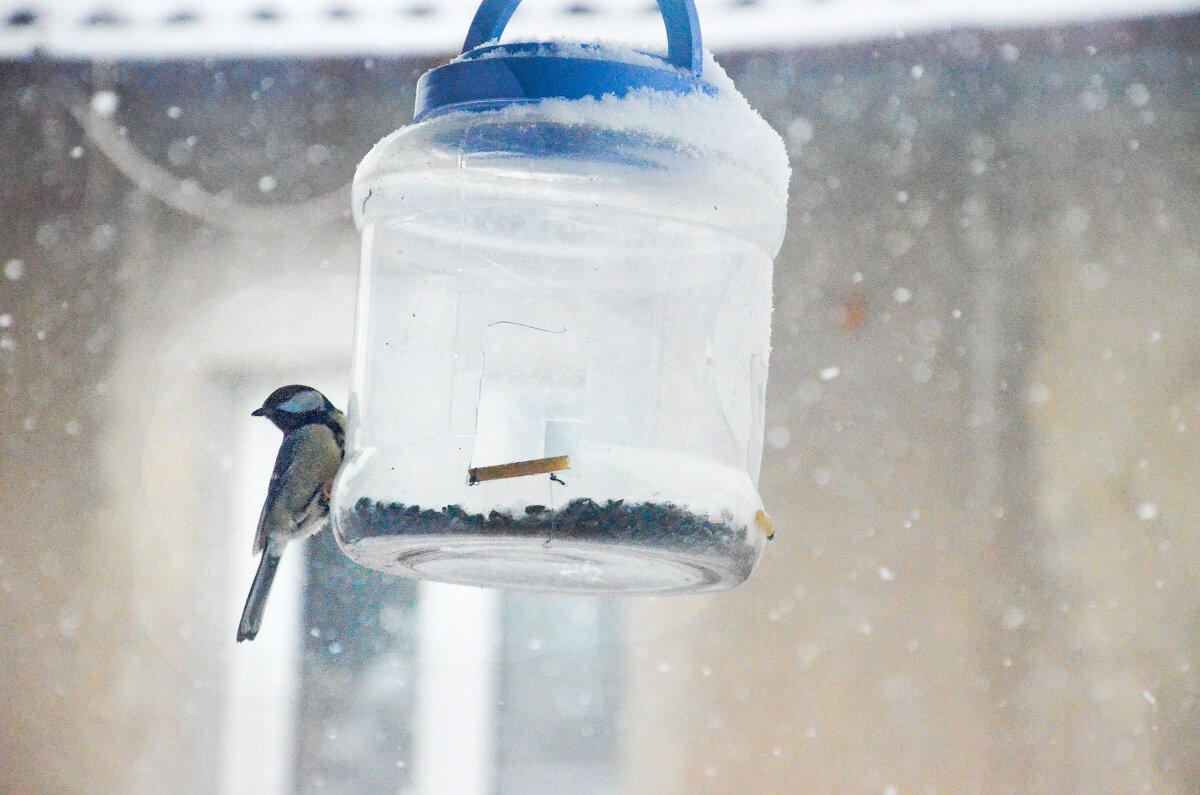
259	412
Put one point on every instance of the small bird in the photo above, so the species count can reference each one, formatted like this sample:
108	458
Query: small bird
314	441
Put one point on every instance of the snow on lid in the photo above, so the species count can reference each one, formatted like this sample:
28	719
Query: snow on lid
597	50
722	123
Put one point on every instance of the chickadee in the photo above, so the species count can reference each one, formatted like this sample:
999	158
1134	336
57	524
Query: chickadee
314	439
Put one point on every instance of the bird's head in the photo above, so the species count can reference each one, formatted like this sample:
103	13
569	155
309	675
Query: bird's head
296	405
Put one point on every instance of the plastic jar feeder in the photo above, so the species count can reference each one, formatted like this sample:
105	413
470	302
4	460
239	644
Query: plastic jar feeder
564	321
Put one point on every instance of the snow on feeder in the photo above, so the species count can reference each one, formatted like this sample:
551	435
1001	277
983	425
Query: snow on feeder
564	321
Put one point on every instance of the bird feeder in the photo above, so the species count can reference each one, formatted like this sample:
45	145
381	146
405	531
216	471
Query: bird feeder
564	320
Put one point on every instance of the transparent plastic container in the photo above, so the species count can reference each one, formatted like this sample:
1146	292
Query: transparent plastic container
561	347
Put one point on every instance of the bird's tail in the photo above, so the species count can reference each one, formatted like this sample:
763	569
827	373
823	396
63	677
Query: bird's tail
256	602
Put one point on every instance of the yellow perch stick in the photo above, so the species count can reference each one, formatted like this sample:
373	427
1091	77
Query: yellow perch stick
539	466
764	522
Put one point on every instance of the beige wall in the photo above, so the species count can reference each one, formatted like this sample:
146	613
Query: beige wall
985	520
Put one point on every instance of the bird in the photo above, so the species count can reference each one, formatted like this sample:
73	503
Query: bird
297	504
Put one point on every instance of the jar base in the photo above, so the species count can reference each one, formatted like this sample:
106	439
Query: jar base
617	550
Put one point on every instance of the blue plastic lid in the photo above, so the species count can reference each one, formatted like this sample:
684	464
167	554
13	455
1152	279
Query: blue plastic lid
490	75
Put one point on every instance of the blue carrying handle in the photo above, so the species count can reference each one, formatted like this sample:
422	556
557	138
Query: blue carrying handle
684	48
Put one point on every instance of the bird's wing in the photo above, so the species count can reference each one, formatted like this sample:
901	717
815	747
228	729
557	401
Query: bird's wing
307	461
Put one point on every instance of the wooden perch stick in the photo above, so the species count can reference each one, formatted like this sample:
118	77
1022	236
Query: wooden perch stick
539	466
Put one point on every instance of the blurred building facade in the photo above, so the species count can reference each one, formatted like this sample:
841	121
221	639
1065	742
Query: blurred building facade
983	420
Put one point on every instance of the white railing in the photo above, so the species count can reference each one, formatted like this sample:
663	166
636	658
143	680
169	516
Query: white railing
88	29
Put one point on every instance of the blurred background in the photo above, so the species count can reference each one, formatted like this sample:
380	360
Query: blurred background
983	421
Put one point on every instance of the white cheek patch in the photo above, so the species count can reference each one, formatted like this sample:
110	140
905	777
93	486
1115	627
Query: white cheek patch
302	402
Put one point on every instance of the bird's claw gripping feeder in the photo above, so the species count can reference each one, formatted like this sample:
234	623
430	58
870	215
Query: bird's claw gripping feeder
564	320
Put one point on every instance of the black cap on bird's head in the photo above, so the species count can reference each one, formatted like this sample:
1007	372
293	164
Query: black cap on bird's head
295	405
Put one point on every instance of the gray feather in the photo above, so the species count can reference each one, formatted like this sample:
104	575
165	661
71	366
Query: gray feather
256	600
298	495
